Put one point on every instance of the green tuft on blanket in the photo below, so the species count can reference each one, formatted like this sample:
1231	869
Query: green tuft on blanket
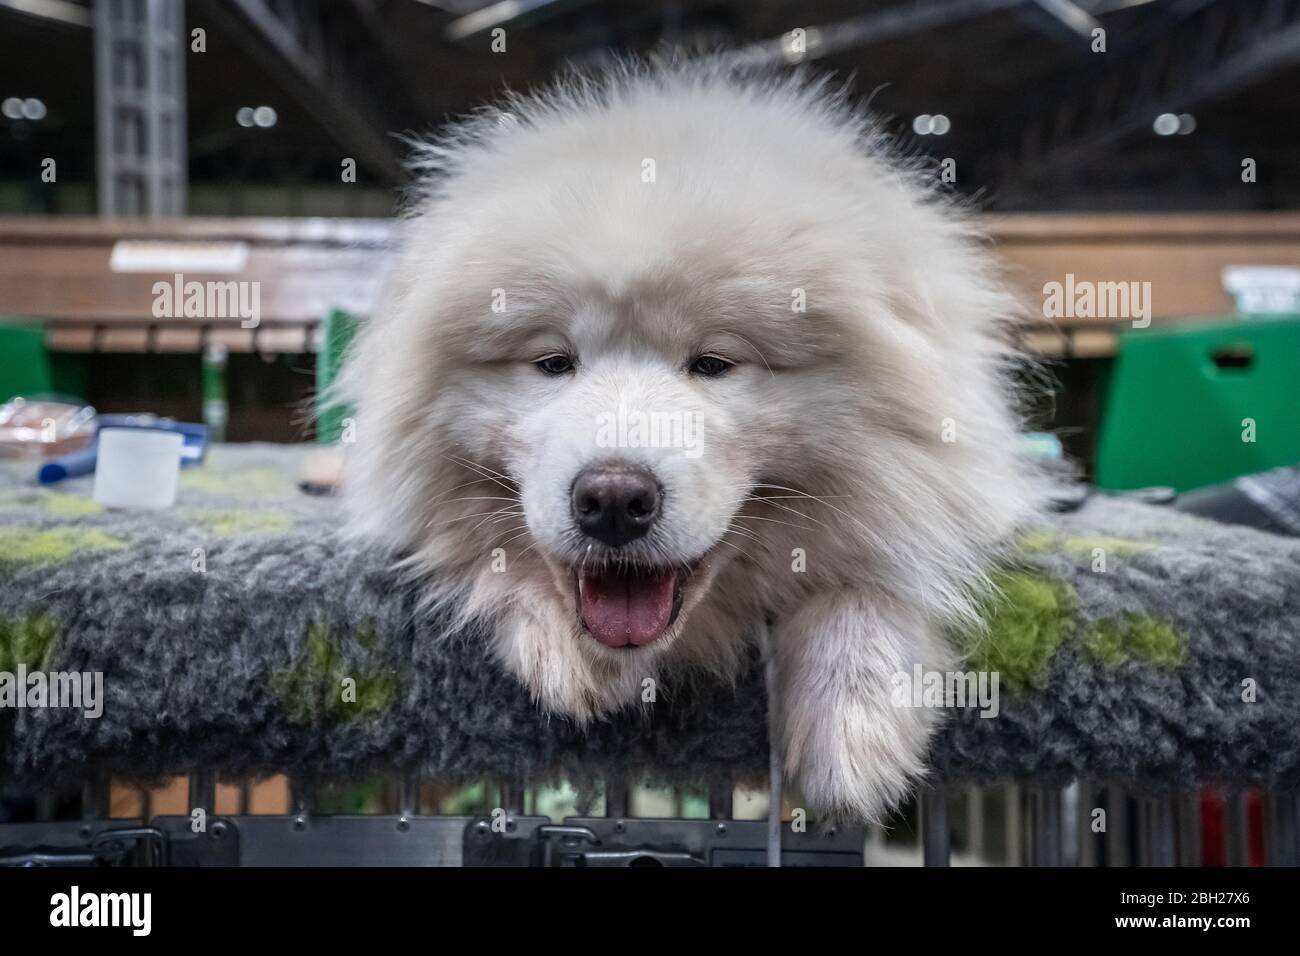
328	682
1135	638
28	641
1027	617
19	546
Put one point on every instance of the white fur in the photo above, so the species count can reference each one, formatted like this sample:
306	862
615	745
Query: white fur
761	189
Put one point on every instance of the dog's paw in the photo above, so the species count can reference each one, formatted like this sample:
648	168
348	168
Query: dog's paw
852	762
851	748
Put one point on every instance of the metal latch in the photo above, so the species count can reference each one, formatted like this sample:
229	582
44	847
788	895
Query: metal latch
77	844
535	841
569	845
167	841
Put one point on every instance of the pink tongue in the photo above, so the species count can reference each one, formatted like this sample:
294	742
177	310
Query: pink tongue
621	608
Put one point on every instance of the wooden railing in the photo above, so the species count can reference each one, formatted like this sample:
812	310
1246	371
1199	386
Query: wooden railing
60	270
1182	255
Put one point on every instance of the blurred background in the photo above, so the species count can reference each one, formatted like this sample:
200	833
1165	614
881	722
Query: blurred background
1035	119
1149	147
1133	141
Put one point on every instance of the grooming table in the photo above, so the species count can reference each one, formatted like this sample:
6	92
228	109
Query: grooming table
225	626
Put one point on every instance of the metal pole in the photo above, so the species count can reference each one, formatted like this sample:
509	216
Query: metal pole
1189	830
1144	830
934	827
512	797
1236	829
1116	826
776	760
95	798
720	801
203	791
1046	818
302	797
975	821
1281	829
1014	827
1162	831
1086	839
408	795
616	798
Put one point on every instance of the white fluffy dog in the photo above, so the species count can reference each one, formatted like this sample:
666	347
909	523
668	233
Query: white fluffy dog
672	353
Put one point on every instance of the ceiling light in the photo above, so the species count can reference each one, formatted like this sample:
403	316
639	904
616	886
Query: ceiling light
1166	124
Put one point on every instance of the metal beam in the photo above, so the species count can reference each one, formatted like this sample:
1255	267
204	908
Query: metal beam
1065	22
492	16
870	28
315	57
140	139
59	11
1220	50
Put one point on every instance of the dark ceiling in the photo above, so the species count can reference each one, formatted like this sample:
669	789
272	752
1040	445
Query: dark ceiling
1038	119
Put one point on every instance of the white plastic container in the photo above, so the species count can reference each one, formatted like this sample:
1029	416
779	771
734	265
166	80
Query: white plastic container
137	468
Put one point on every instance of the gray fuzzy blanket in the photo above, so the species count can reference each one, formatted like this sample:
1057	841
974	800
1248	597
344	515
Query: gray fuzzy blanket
225	627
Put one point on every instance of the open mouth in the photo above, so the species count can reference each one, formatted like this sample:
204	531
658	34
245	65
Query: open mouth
629	606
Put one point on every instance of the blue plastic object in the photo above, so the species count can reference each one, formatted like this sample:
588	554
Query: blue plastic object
82	461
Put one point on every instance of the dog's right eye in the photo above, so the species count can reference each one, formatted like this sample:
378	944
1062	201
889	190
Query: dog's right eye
555	364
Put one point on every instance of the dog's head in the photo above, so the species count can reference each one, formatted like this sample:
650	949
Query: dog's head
650	349
616	419
641	397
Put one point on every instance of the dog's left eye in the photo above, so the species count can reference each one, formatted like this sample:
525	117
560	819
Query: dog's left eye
555	364
709	366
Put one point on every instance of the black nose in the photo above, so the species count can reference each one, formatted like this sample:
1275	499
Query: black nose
615	503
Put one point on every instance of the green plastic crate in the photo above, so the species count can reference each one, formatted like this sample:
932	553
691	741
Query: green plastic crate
1179	397
24	364
337	332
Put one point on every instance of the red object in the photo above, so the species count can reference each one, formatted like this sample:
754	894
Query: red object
1214	844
